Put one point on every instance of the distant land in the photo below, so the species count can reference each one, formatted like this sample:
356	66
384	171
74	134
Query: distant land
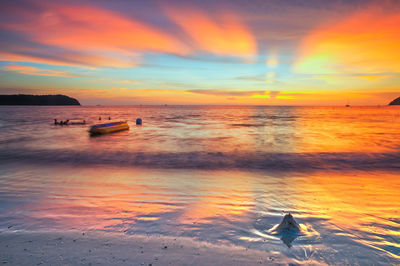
395	102
26	99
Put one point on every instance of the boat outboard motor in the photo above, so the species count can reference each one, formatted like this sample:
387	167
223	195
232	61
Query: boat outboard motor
138	121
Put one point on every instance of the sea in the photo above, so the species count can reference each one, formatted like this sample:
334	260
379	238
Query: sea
219	174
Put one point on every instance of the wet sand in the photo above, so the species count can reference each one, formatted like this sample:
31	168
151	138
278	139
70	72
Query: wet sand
99	248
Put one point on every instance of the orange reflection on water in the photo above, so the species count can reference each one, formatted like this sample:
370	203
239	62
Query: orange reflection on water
101	199
228	195
349	207
98	198
347	129
363	206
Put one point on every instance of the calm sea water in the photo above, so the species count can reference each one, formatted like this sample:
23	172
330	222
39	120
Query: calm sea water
218	174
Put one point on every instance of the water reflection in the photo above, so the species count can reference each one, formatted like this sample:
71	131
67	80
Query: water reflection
207	129
276	126
335	210
335	129
361	206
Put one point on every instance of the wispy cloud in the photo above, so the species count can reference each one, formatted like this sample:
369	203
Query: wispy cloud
71	34
129	81
224	34
65	58
362	76
277	95
365	42
269	77
252	78
92	36
34	71
226	92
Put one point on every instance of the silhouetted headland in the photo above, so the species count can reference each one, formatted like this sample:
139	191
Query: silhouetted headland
26	99
395	102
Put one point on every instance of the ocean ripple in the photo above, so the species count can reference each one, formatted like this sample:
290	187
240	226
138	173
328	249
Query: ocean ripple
211	160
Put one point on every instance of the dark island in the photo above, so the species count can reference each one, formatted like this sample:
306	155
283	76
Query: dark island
395	102
26	99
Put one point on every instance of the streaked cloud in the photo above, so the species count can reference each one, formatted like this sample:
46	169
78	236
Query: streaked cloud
66	58
90	28
221	34
269	77
366	42
361	76
68	34
277	95
134	82
91	35
203	52
34	71
255	78
225	92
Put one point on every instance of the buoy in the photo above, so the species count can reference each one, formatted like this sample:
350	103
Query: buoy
138	121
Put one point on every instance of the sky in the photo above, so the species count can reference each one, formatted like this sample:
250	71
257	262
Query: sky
260	52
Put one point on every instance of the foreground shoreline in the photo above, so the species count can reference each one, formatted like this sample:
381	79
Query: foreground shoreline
103	248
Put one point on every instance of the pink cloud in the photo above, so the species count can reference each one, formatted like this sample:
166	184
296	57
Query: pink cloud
225	34
34	71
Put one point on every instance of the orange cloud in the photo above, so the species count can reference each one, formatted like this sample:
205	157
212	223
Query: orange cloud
71	59
94	28
226	35
366	42
34	71
277	95
99	36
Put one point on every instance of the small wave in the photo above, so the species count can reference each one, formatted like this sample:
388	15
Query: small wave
212	160
272	117
16	140
247	125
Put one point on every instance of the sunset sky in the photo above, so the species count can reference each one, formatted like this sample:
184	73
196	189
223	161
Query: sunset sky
262	52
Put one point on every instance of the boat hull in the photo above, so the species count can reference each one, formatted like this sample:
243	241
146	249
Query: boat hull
108	128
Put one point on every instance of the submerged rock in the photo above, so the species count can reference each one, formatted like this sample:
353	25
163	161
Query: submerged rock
288	229
288	224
